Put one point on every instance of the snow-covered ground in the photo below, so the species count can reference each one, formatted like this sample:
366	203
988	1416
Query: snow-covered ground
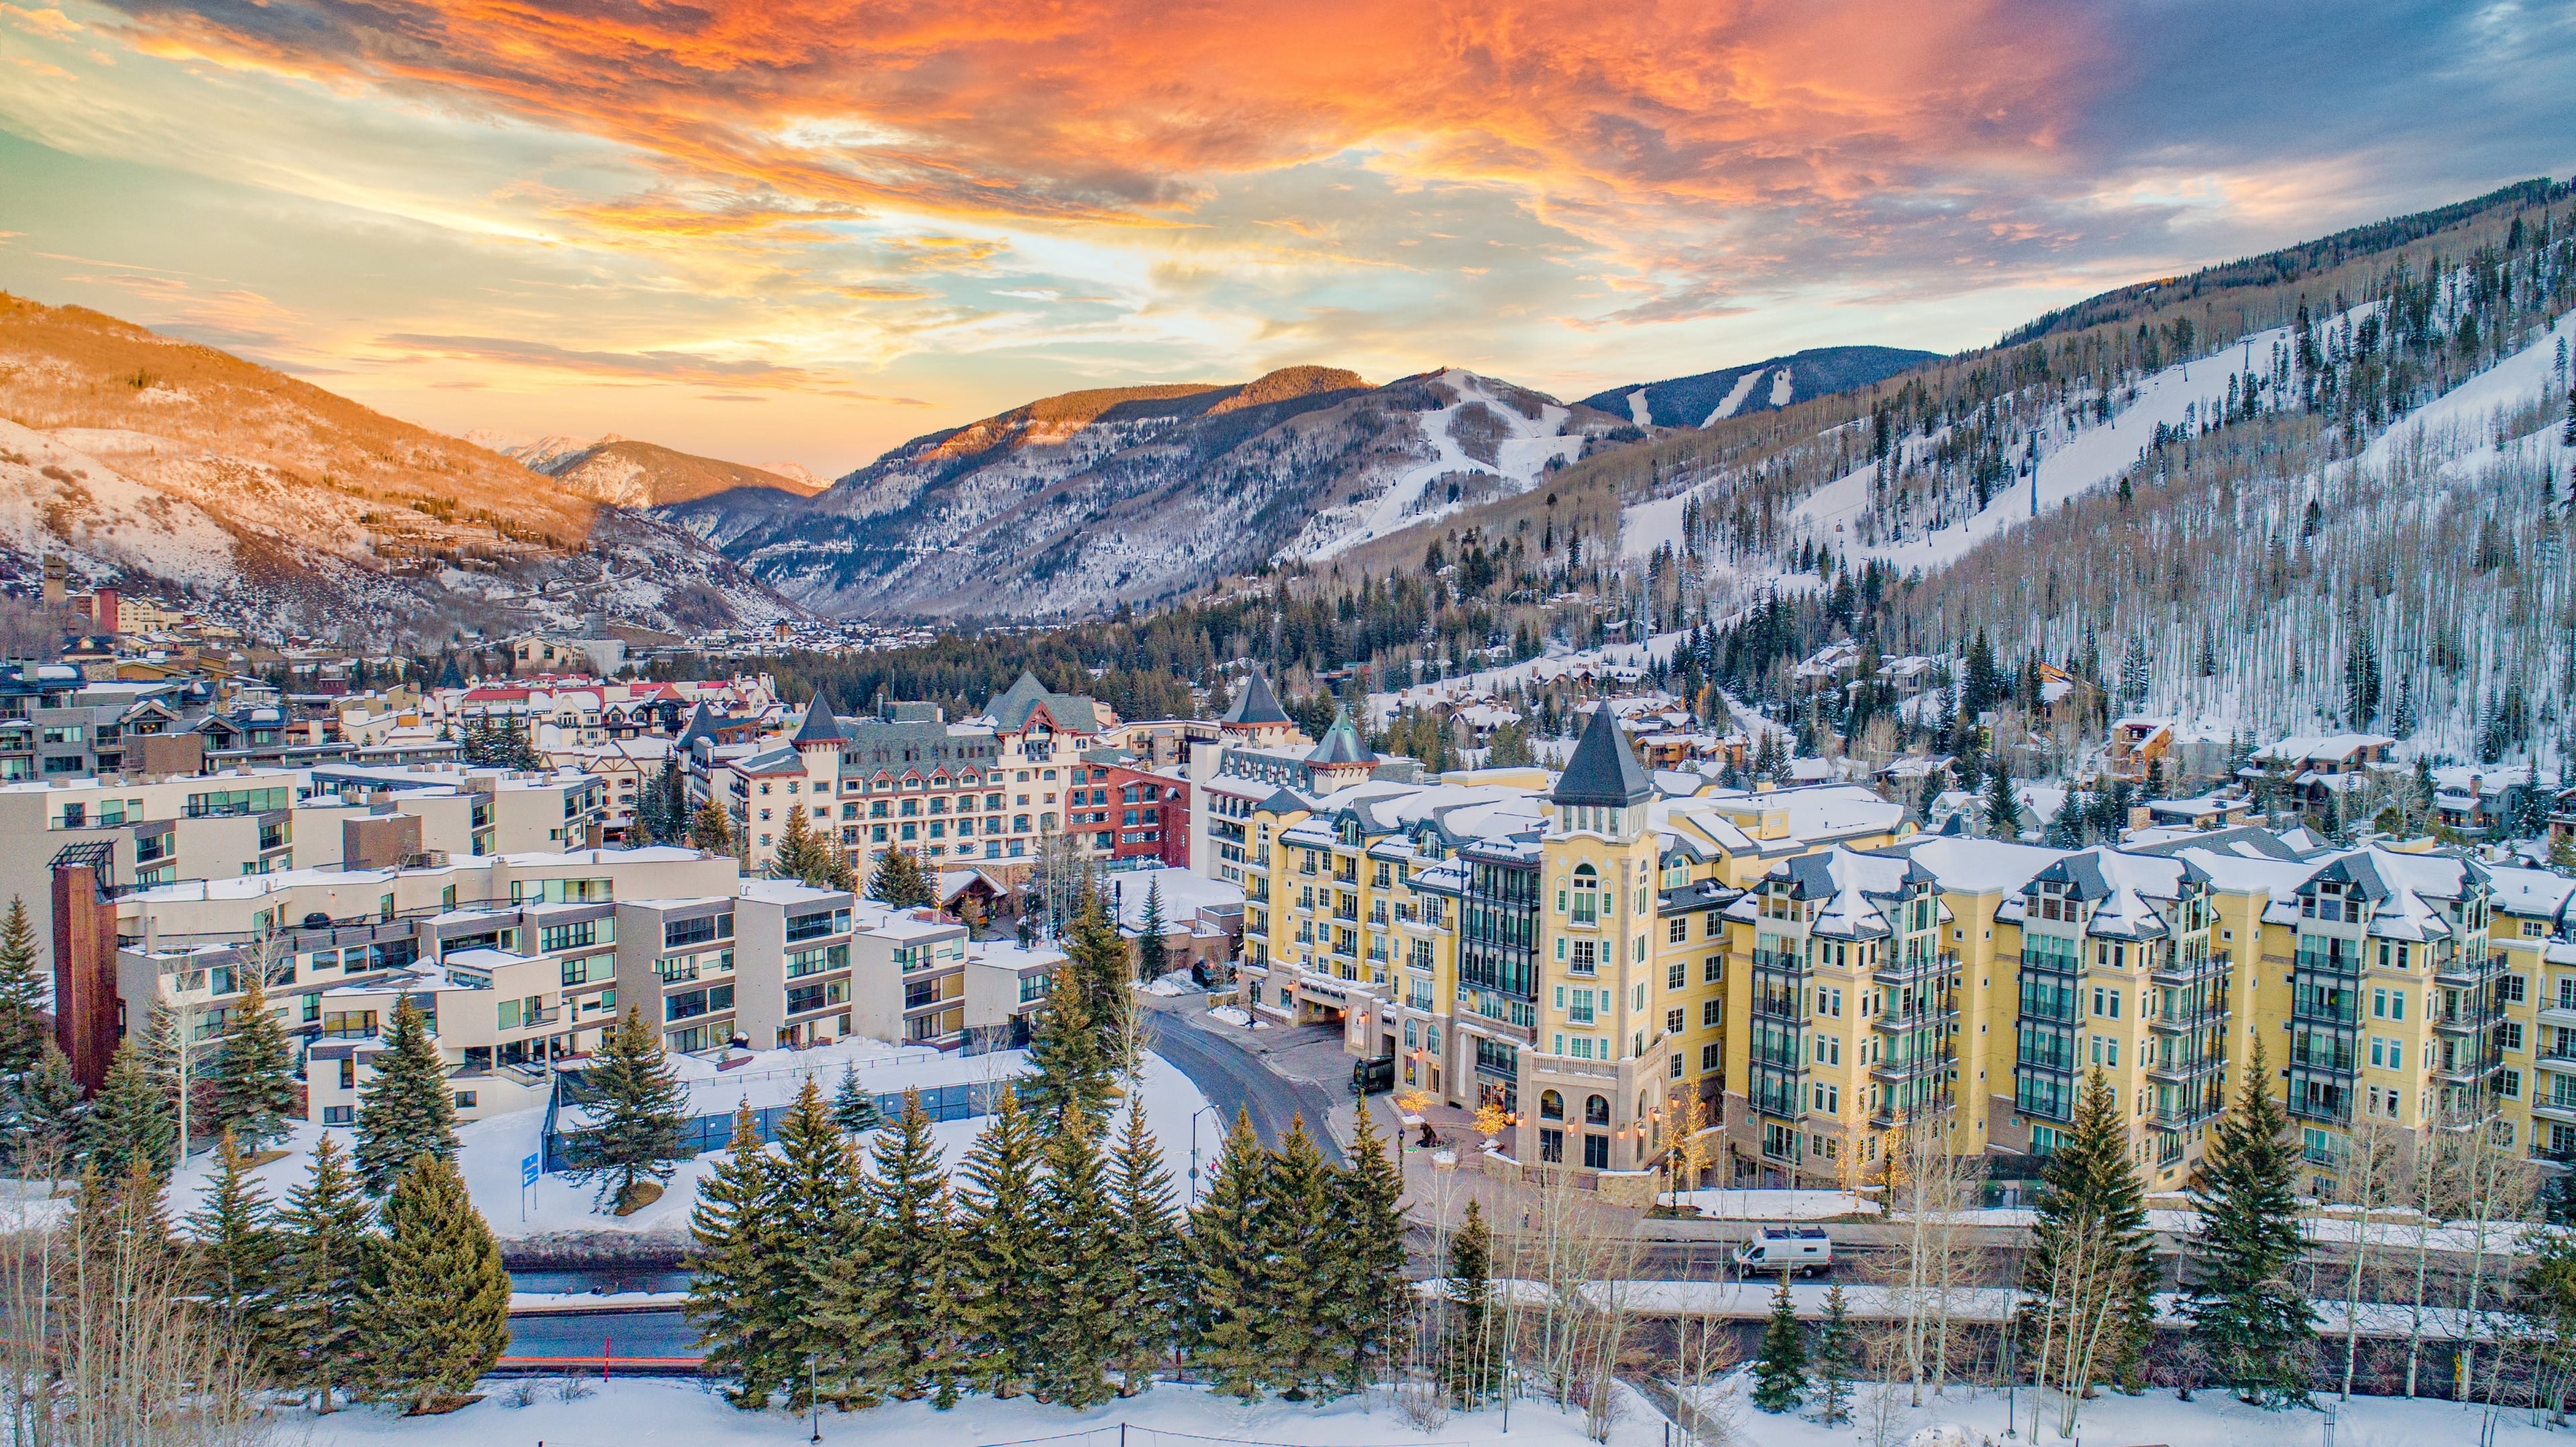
637	1413
1773	1205
2211	1418
490	1151
1519	461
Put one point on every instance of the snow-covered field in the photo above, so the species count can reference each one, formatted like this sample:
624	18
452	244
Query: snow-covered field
2209	1419
690	1414
490	1151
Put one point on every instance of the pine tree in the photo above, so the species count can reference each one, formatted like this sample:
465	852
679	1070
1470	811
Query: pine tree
326	1261
235	1257
1145	1266
1780	1373
23	991
1103	971
404	1109
900	881
45	1114
254	1083
800	855
854	1106
2090	1194
2003	811
439	1314
895	1303
1076	1276
129	1118
1070	1061
1834	1358
1001	1265
1299	1246
815	1203
1152	959
1369	1213
637	1108
2244	1309
1467	1360
741	1286
710	829
1228	1305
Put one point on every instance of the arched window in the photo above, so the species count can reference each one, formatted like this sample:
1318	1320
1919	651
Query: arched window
1596	1110
1551	1106
1587	896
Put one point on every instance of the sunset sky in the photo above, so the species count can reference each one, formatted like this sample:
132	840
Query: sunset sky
803	230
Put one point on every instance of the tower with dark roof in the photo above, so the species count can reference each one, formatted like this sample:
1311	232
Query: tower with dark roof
821	728
1341	760
1255	717
1603	788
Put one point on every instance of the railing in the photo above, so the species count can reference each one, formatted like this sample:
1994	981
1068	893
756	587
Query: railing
1780	962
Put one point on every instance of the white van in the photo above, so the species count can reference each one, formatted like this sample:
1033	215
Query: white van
1805	1250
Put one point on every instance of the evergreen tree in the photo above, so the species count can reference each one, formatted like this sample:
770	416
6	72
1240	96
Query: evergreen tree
404	1109
1298	1246
1369	1212
1145	1266
637	1108
1152	959
1834	1359
2003	811
1103	969
438	1316
816	1205
742	1292
1227	1301
900	881
236	1257
23	991
896	1302
326	1261
1076	1275
710	829
2090	1193
253	1076
129	1118
1065	1047
1780	1373
46	1114
854	1106
1467	1360
1005	1253
801	856
2245	1310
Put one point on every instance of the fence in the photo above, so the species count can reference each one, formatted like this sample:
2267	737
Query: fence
704	1133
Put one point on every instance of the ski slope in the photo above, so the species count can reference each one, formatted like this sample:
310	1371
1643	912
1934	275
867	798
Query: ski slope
1519	460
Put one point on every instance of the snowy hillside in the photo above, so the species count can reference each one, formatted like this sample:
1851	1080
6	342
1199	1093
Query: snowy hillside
1766	386
1490	438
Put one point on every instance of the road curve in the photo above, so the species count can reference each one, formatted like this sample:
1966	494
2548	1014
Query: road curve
1233	1078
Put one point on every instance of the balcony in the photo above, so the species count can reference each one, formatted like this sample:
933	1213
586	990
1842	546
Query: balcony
2186	1072
2178	972
2556	1107
1920	1016
1919	1068
2466	973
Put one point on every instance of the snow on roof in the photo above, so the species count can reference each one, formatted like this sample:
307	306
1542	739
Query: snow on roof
1184	895
2531	893
788	892
1979	866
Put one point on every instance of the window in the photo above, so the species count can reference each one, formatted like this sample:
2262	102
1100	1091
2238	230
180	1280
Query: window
465	1100
1713	969
339	1115
2511	1033
1587	898
1596	1152
1551	1145
1709	1060
2513	1085
1551	1106
1596	1110
1674	1022
2512	989
1679	930
1676	975
1712	1013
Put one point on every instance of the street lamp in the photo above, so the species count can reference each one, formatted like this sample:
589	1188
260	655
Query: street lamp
814	1393
1194	1147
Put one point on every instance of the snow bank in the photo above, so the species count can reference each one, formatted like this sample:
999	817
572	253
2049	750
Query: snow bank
638	1413
1772	1205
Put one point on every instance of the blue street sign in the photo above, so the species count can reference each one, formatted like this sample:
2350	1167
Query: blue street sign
528	1170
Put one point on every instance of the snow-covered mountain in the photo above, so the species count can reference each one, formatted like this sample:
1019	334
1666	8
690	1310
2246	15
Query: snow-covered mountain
159	463
1708	397
1073	504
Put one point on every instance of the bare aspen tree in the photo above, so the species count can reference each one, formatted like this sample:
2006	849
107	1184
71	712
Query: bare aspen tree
2371	1167
1704	1351
2088	1285
1929	1190
2494	1186
2430	1152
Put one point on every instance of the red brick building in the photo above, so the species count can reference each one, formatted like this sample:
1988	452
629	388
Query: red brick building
1132	813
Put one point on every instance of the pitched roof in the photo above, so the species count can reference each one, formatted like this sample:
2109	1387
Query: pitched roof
821	725
1010	709
1603	770
1341	743
1254	703
702	725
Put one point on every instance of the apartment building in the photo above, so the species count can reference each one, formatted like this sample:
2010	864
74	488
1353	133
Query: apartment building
472	810
984	790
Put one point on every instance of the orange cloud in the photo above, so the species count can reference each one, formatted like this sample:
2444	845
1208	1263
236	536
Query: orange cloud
1651	129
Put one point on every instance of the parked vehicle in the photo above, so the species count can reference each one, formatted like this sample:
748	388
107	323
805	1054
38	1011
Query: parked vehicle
1805	1250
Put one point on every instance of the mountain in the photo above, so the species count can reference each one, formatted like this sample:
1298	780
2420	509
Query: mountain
645	475
1706	397
157	462
1076	503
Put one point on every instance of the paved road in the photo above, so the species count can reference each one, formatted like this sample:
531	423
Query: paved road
626	1333
1234	1077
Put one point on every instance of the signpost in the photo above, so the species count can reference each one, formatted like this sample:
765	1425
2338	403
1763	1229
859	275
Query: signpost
527	1182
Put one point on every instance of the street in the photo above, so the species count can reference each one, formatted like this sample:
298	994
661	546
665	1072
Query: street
1234	1076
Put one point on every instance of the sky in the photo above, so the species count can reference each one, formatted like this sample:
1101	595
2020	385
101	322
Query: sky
805	230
